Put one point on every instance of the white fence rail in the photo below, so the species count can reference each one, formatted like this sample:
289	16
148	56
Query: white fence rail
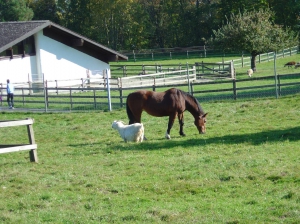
159	79
269	56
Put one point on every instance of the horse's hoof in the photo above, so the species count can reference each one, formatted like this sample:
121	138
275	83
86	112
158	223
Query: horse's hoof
168	136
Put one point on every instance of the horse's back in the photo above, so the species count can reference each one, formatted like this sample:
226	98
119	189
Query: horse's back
156	103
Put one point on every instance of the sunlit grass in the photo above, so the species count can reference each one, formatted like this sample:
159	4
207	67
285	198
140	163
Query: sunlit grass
245	169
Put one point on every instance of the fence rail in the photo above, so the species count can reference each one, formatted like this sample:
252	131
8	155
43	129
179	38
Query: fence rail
159	79
32	146
97	98
266	57
189	52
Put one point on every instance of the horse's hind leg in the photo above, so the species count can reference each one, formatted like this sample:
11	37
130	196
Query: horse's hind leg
170	125
181	123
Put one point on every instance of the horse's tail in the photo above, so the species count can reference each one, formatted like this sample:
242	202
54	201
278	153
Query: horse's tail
129	112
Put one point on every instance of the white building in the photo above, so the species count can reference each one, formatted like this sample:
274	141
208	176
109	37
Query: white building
35	50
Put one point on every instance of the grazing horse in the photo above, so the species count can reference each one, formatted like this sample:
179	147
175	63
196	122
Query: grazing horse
172	103
290	64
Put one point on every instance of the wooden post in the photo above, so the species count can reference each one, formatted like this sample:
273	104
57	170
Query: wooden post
71	102
23	97
192	89
20	147
278	84
232	71
32	152
56	86
121	97
1	92
95	103
234	89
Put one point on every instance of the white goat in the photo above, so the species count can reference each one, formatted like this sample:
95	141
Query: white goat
250	72
133	132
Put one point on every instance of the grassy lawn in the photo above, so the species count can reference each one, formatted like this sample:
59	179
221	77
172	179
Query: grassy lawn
244	170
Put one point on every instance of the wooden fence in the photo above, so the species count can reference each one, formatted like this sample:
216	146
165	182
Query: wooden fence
89	98
266	57
193	52
20	147
159	79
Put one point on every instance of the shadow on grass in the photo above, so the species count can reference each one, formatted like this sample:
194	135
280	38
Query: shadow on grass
290	134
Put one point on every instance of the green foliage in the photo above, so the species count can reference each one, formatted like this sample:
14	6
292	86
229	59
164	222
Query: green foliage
244	169
44	10
140	24
253	31
15	10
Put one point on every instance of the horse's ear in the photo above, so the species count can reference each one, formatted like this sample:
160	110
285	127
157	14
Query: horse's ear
203	116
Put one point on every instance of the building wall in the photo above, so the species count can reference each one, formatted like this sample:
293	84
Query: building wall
53	59
17	69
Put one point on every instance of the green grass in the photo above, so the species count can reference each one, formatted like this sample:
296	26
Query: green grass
263	68
244	170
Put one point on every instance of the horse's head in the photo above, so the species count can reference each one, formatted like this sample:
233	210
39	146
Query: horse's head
200	123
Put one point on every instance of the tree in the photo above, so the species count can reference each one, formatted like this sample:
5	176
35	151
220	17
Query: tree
14	10
44	10
253	32
287	12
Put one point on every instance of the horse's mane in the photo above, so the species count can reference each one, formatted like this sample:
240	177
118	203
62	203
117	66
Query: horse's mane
189	96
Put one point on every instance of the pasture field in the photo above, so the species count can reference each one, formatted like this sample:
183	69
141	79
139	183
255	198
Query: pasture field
245	169
263	68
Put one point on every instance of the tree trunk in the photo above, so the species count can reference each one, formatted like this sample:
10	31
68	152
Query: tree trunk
253	62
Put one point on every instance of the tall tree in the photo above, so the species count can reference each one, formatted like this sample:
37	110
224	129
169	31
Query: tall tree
15	10
44	10
253	32
287	12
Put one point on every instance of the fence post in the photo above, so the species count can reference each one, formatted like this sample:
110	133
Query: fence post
82	84
56	86
71	102
95	103
234	89
232	70
107	71
242	59
204	51
1	85
45	93
47	96
170	55
188	77
23	97
121	97
32	153
279	86
275	73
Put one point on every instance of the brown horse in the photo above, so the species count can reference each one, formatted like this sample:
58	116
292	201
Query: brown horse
172	103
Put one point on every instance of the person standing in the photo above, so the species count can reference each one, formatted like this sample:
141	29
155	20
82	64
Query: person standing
10	94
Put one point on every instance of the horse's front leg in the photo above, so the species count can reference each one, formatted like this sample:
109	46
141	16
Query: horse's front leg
181	123
170	124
